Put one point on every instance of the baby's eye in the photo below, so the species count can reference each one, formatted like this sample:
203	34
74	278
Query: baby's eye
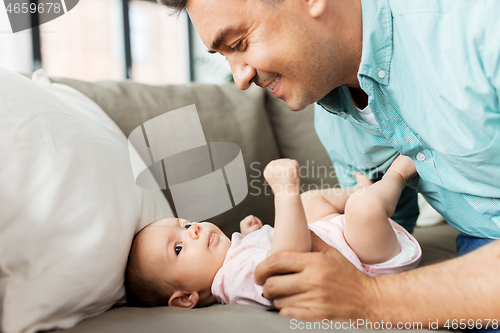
188	225
178	248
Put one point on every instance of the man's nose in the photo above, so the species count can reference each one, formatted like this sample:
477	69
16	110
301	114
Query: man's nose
242	73
194	231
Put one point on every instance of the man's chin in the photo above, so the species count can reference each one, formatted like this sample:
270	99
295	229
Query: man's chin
296	105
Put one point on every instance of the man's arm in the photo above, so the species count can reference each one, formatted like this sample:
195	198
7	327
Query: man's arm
326	285
463	288
290	226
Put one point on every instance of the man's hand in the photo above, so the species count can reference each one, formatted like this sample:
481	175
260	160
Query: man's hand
250	224
283	176
324	285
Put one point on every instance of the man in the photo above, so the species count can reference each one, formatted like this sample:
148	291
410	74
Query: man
430	73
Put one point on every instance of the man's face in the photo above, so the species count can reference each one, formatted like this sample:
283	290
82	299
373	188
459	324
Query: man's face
275	44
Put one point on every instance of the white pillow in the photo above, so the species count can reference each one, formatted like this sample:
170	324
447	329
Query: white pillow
69	206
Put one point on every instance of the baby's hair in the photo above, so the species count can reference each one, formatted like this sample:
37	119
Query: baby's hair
141	290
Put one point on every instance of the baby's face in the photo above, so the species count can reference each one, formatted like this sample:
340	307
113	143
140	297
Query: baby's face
186	255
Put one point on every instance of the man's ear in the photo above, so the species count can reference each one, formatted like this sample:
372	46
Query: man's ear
184	299
316	7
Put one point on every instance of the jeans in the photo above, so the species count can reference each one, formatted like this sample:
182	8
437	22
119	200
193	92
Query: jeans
466	244
406	213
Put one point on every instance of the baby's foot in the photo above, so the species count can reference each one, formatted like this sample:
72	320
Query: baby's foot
404	166
362	180
283	175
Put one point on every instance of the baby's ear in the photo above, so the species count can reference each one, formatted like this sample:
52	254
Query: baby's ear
183	299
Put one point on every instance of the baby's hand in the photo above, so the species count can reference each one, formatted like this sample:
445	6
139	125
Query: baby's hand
250	224
404	166
283	175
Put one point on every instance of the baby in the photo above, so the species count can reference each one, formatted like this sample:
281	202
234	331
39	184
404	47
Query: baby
180	263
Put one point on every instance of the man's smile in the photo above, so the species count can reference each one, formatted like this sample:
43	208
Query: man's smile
274	82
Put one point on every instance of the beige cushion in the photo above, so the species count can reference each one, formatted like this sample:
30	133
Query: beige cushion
227	114
297	139
437	243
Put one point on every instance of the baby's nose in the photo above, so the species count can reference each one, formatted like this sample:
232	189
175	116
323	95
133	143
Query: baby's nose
194	230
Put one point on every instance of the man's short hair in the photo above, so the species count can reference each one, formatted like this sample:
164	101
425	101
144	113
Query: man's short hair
176	5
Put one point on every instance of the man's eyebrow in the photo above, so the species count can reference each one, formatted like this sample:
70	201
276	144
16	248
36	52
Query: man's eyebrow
219	39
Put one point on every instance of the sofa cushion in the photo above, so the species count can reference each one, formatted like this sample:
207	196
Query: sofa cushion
437	242
297	139
259	123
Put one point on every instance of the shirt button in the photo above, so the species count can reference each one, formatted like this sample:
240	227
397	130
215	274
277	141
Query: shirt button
381	73
420	157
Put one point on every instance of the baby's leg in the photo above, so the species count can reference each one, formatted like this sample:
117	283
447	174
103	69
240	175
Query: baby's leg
325	204
368	230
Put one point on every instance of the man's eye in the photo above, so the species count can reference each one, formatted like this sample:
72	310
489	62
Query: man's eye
237	47
178	248
188	225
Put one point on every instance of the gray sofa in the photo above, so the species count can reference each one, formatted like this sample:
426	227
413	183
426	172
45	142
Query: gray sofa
264	129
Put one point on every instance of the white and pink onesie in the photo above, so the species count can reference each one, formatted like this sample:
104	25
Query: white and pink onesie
233	283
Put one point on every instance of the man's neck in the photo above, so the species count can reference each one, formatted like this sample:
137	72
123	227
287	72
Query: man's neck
359	98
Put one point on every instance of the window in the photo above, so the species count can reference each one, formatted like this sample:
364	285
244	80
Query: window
159	43
85	43
99	40
209	68
16	51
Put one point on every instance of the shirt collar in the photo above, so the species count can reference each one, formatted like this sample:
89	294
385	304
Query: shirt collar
377	40
376	53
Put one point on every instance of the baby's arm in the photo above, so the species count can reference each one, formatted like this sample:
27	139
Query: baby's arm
290	226
368	230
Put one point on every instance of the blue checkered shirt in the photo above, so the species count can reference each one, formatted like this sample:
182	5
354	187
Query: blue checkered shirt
431	69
